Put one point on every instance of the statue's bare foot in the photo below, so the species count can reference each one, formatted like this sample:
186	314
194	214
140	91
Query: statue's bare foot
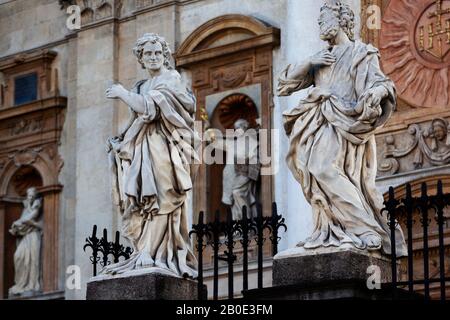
372	241
121	266
145	260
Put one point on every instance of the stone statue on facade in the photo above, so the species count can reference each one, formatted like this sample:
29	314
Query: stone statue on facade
27	257
151	164
240	173
332	151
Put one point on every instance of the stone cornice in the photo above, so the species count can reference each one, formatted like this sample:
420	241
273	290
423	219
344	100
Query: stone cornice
43	55
39	105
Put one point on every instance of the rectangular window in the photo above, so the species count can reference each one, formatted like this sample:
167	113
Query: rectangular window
25	88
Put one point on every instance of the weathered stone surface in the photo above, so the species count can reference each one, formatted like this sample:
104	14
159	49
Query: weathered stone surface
145	286
312	267
328	274
333	290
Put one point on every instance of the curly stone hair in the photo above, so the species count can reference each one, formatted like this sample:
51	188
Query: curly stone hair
345	15
153	38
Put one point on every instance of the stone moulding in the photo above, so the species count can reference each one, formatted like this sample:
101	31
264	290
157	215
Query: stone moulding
192	49
429	146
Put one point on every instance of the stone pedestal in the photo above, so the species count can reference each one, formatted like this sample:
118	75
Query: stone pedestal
307	267
328	274
142	285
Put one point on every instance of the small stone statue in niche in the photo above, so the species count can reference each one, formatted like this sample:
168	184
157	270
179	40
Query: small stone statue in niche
241	173
27	257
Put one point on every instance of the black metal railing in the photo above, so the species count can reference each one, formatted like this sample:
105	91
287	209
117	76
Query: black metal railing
227	233
403	211
103	250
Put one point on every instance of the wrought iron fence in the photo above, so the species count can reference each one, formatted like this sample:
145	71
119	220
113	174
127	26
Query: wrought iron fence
103	250
227	233
404	210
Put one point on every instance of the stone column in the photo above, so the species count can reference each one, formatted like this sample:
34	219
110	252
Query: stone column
50	244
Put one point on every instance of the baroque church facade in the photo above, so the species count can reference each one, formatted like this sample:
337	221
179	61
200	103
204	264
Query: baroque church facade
55	119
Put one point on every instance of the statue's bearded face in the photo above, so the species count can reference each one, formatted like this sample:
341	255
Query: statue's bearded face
152	56
329	25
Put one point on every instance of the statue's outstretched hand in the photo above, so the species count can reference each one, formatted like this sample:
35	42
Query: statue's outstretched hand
115	91
323	58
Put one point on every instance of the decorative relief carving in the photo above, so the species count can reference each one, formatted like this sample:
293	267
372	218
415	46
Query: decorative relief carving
25	157
87	16
232	77
104	10
428	147
51	155
200	77
415	50
94	10
432	34
26	126
140	4
143	3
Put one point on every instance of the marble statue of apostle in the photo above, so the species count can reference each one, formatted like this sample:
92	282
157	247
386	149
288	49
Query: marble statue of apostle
151	164
332	151
27	257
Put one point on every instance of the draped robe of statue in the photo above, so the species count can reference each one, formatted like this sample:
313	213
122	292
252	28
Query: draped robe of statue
332	151
153	164
27	258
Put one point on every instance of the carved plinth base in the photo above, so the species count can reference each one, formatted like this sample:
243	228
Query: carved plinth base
299	266
328	274
142	285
